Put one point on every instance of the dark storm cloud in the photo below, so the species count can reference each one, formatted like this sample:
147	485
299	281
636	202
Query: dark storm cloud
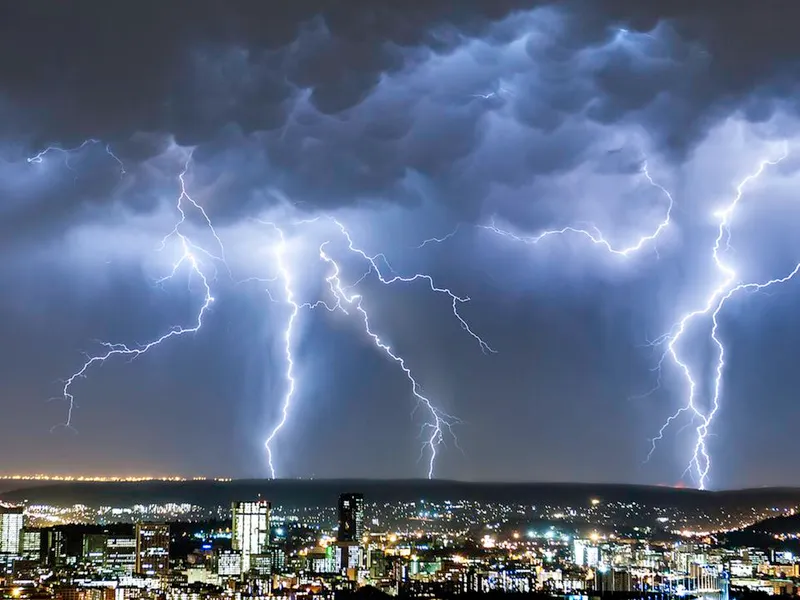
539	112
337	102
108	69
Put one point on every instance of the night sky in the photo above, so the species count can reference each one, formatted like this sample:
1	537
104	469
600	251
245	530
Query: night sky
405	121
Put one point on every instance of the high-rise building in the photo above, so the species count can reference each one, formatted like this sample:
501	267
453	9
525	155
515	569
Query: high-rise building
121	554
250	530
152	549
228	564
11	518
31	544
94	549
579	552
351	518
56	545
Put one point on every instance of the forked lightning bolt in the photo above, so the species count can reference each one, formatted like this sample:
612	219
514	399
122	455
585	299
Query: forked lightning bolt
454	299
700	462
189	257
439	421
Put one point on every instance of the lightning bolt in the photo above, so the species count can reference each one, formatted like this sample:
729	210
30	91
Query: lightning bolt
596	236
700	463
345	301
439	240
454	298
190	257
285	276
39	158
440	421
67	152
122	170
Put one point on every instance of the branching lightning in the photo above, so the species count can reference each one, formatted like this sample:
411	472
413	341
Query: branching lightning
455	299
440	421
347	301
199	259
189	256
593	234
201	264
700	463
596	236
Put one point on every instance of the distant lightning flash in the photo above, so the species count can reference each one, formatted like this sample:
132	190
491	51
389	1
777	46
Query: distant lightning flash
67	152
439	240
188	257
700	463
39	158
594	235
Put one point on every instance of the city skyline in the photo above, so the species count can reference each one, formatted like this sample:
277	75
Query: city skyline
407	549
518	241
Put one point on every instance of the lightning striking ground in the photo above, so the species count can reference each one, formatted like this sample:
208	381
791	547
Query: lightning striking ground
346	301
440	421
700	463
189	256
285	276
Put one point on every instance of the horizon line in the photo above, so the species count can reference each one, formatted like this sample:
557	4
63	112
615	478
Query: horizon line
424	481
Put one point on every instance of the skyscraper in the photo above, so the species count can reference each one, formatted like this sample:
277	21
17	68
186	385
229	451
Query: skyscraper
152	549
11	518
250	530
94	549
121	554
31	544
351	518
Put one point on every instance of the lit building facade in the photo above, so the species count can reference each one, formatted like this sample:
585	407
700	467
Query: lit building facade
11	521
31	544
121	554
250	530
229	564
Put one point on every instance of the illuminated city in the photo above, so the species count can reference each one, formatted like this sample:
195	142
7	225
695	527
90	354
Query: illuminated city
415	299
415	549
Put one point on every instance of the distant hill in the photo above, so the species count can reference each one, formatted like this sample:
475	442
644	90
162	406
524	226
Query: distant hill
324	492
762	534
776	525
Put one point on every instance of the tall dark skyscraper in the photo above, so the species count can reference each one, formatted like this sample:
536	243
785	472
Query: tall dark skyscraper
351	518
152	549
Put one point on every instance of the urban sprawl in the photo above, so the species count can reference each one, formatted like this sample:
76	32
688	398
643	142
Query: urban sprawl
412	549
